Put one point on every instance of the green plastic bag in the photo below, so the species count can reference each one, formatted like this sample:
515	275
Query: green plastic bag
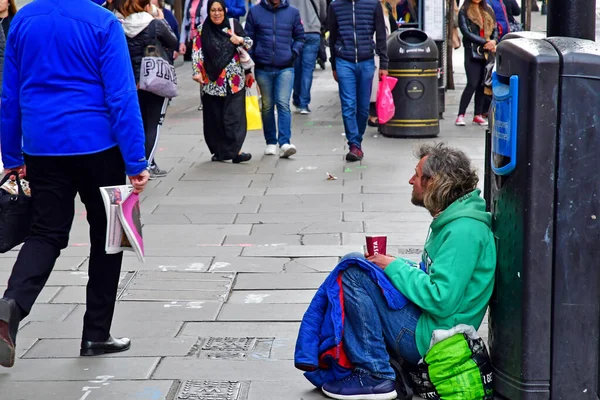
456	367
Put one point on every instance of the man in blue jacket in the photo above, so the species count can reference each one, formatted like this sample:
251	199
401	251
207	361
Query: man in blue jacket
236	8
75	122
278	35
352	24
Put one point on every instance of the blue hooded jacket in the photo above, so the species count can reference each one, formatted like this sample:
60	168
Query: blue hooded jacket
69	87
501	16
235	8
319	349
277	33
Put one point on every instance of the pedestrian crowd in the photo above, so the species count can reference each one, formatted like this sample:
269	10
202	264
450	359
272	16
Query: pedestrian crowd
83	118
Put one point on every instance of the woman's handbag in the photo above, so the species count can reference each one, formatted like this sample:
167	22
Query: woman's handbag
245	59
157	75
253	116
477	52
15	215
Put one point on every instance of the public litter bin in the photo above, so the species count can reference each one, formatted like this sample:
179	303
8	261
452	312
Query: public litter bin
414	62
543	192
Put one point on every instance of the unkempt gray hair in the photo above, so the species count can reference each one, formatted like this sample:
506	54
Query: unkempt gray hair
450	175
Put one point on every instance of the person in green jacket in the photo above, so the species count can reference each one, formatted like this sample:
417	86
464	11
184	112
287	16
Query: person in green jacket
459	260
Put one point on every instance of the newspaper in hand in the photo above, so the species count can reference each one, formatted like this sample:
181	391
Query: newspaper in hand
124	227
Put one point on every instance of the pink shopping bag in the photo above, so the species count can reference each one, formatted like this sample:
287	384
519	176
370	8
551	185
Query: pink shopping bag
385	100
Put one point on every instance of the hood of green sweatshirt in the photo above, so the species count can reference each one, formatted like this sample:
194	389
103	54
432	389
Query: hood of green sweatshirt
470	205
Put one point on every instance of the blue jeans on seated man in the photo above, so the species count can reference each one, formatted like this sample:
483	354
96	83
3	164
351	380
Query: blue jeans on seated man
355	81
304	68
276	89
373	332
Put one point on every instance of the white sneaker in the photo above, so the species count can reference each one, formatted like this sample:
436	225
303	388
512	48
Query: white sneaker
271	150
287	150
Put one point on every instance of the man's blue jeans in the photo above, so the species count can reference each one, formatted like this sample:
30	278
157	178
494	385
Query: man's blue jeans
354	81
276	89
304	68
373	332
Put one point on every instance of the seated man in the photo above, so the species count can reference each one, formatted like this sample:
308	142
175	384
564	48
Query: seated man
460	261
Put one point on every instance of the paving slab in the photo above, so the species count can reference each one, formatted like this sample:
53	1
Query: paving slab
198	174
262	312
199	250
279	281
249	264
197	188
62	264
332	239
47	294
173	236
176	311
321	264
60	390
300	251
192	368
141	347
206	208
191	200
418	215
295	387
263	239
288	217
80	369
312	190
165	264
49	312
418	229
271	297
150	328
294	199
307	227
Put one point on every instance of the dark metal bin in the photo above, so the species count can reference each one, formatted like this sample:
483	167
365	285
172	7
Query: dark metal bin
414	62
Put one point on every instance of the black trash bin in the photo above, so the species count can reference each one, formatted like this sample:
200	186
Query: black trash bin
414	62
544	196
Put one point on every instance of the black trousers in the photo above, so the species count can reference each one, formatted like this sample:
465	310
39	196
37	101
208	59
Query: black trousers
475	70
153	110
54	182
226	133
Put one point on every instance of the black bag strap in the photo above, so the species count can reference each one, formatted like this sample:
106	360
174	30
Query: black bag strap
155	43
316	11
17	180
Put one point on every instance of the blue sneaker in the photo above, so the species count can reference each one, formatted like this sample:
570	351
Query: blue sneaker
361	386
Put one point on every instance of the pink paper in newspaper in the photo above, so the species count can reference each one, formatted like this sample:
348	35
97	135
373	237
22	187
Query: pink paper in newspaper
133	222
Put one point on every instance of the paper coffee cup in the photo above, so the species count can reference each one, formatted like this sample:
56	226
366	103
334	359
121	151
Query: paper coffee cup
376	245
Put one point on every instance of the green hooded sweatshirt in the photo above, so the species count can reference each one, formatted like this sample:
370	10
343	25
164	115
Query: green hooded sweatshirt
460	255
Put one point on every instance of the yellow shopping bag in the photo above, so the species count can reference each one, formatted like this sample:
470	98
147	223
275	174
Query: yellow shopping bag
253	117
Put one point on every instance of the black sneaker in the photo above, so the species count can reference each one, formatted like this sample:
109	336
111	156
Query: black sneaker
361	386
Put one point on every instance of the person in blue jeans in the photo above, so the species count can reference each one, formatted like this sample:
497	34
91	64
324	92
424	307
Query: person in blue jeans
314	16
352	25
278	35
452	287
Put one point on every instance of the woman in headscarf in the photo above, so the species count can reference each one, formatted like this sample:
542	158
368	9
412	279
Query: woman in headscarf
477	23
216	65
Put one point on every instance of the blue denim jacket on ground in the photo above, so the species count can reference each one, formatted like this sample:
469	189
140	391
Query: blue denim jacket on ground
319	349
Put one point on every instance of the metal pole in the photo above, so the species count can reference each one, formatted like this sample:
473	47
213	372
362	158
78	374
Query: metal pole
572	18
